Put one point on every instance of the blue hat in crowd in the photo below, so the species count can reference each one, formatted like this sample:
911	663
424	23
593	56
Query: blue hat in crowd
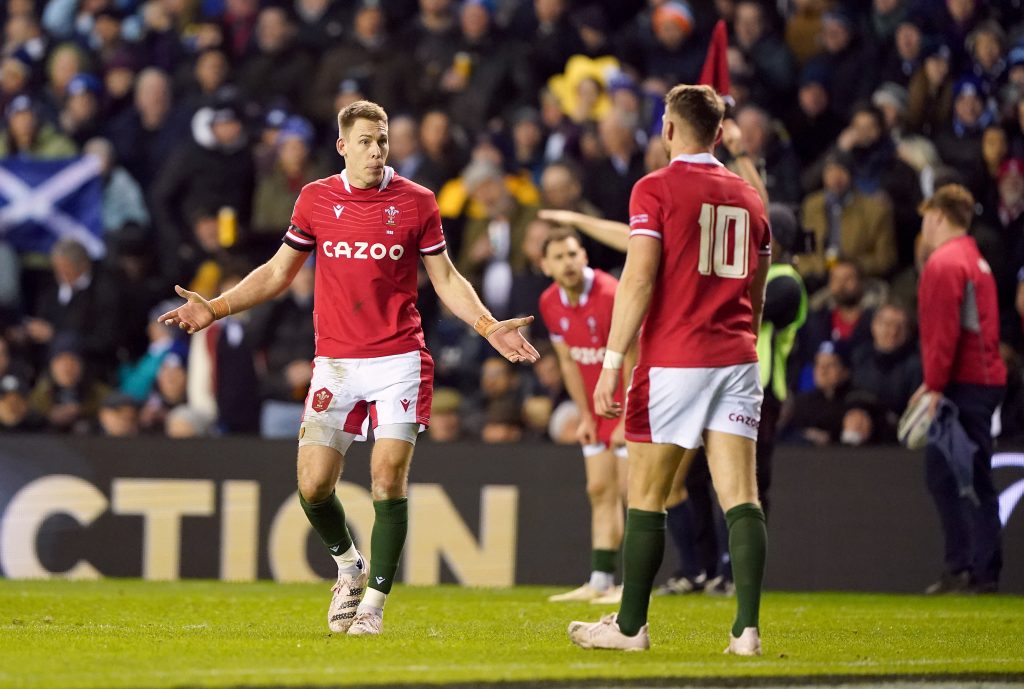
353	83
22	57
275	118
22	103
968	85
486	4
11	383
814	73
296	127
1016	56
840	16
838	347
935	47
622	82
82	83
66	342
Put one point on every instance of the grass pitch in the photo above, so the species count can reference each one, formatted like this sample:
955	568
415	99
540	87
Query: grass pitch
121	633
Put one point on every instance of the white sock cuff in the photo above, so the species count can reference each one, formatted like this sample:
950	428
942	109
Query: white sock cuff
602	581
374	600
347	559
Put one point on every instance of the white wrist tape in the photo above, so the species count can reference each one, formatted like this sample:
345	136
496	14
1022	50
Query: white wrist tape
612	359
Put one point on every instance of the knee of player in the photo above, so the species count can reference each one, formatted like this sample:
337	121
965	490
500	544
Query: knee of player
388	482
602	489
388	486
315	487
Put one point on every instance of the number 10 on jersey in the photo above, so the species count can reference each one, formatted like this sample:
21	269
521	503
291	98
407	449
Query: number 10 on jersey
724	241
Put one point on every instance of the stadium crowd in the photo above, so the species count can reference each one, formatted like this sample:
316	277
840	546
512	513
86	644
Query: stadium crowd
206	117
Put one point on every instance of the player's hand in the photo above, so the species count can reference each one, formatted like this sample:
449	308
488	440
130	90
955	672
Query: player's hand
933	407
559	217
195	315
586	432
604	394
510	343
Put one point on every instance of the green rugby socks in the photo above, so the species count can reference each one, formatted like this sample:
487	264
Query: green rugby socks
389	530
748	540
642	551
328	520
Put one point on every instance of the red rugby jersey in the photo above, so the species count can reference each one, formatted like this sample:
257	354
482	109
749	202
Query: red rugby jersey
368	244
712	227
584	327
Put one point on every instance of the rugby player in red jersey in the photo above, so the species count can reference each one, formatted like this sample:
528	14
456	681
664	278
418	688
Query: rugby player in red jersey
369	228
698	258
577	310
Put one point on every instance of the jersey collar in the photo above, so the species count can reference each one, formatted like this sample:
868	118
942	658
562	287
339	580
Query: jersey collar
588	284
698	159
389	174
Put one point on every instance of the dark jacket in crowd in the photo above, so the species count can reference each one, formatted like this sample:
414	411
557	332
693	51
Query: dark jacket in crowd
197	178
813	409
93	314
283	331
890	377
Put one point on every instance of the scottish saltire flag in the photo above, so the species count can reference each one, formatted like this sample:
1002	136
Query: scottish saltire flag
42	201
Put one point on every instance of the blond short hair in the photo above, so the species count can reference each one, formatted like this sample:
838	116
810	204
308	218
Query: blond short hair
360	110
955	203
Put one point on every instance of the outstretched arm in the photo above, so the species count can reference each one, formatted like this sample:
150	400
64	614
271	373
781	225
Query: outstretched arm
460	297
608	232
263	283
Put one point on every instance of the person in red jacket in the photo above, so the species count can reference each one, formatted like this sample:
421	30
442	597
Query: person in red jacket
959	321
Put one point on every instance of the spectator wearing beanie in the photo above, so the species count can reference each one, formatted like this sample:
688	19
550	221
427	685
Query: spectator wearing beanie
959	144
674	53
812	122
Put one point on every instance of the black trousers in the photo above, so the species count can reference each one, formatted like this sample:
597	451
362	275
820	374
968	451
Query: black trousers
972	534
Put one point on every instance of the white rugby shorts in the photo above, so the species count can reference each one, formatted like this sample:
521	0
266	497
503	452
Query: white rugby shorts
676	405
355	395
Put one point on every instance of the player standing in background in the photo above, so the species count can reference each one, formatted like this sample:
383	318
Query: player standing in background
369	228
698	258
577	310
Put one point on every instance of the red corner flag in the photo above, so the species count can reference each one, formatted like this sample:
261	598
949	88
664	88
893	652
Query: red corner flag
716	65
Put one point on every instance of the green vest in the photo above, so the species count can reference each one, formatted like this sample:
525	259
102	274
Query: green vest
773	348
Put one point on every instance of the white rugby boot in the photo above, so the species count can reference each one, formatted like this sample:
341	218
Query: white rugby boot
606	634
347	592
747	644
612	596
366	623
582	594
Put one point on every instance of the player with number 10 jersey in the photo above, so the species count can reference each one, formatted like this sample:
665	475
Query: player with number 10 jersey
712	227
696	267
